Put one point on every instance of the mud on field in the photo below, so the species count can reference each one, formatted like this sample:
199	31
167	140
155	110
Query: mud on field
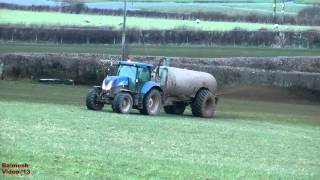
283	72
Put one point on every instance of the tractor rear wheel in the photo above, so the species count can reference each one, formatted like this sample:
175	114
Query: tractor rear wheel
151	103
91	100
175	109
122	103
204	104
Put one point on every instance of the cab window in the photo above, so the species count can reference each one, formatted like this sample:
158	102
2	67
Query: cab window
127	71
144	74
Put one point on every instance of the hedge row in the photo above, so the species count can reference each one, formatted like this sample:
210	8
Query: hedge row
262	38
308	16
91	69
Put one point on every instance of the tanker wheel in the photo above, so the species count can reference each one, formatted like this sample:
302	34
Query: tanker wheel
91	100
204	104
122	103
175	109
151	103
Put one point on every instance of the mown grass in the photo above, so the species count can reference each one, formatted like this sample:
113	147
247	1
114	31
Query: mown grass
157	50
65	19
49	128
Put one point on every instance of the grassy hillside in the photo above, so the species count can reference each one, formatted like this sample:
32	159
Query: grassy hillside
159	50
54	18
59	138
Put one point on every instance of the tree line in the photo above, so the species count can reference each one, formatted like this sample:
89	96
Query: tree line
260	38
307	16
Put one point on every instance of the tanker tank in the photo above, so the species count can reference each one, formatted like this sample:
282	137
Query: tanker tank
184	83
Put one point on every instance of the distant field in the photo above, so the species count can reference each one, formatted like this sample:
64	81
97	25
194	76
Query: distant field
159	50
206	1
307	1
233	9
49	127
54	18
182	1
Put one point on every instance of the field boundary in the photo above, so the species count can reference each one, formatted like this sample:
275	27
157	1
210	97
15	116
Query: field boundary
92	35
296	72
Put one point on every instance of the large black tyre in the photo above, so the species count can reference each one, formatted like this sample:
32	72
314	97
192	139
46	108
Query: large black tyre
151	103
204	104
122	103
175	109
91	100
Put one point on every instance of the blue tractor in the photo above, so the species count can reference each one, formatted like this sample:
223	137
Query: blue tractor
147	88
132	87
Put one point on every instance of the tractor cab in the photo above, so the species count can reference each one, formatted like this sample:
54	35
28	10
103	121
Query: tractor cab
130	76
137	73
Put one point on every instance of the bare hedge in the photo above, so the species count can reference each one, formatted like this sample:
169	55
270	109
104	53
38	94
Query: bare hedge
301	72
261	38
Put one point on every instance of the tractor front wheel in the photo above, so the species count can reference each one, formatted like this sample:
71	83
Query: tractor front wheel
151	103
122	103
91	100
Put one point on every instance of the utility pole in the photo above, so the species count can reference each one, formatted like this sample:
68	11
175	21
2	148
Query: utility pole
274	11
282	10
123	50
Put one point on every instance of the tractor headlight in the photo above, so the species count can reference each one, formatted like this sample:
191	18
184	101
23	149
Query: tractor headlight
107	86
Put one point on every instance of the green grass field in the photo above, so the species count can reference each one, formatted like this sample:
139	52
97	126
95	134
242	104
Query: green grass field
157	50
307	1
231	9
49	128
211	1
62	19
206	1
185	1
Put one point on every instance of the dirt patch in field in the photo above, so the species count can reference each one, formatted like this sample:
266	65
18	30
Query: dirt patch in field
271	94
